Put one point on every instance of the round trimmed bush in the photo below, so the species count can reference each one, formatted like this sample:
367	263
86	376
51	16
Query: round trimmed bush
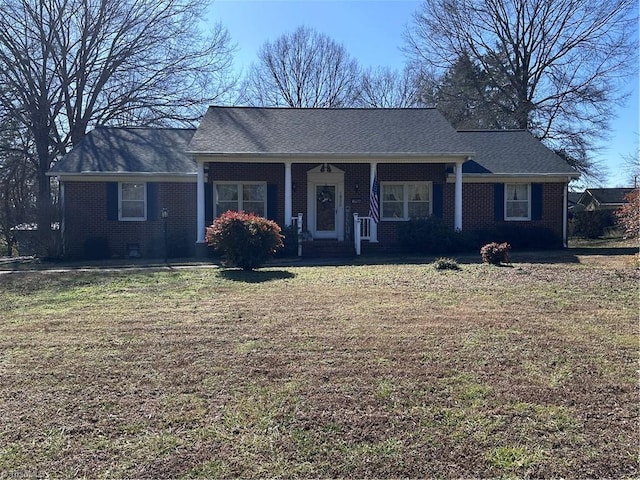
244	239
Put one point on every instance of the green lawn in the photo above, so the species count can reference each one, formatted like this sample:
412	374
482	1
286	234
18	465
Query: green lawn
354	371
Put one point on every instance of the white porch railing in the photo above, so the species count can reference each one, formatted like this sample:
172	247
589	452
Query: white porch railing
361	231
297	222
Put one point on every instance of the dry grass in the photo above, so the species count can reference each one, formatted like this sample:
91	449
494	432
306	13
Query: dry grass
355	371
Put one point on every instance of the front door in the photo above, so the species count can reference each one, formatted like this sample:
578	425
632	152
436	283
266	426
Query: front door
326	211
325	202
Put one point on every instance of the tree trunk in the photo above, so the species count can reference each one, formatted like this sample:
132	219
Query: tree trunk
43	198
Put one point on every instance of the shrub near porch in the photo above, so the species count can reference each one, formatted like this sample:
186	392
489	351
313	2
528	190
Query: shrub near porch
246	240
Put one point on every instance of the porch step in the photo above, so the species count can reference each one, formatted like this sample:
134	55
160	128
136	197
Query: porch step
328	248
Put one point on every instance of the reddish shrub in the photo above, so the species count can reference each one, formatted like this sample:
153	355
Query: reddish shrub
629	214
495	253
245	239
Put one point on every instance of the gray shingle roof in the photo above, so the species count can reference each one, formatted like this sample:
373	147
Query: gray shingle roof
605	196
511	152
350	131
290	132
130	150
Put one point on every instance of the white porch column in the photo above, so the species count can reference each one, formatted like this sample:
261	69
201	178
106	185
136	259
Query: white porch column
288	194
457	217
200	201
374	226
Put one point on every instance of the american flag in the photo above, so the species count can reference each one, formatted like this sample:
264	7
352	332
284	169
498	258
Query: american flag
374	200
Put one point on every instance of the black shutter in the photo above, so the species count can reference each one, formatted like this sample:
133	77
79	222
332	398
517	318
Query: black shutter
536	201
498	201
208	203
152	201
272	201
112	201
438	194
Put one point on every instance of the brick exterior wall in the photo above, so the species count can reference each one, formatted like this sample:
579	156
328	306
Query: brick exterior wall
85	220
85	206
406	172
273	174
478	207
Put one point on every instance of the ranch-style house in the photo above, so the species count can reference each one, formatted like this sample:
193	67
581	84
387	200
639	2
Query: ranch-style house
344	178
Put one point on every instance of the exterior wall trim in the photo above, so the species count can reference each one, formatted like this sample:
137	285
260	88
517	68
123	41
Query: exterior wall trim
506	178
330	158
126	177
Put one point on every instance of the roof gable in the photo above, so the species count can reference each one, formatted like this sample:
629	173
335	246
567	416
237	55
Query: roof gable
309	131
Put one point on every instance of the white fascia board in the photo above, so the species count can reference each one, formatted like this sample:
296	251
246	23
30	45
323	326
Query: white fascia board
125	177
516	177
311	158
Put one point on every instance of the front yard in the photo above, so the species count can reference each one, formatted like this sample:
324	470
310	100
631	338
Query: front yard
338	371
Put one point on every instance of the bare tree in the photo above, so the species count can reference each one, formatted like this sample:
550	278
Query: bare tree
631	165
302	69
387	88
17	189
72	64
555	63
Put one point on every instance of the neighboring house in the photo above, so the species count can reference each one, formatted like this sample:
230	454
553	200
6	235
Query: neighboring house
603	198
574	202
314	168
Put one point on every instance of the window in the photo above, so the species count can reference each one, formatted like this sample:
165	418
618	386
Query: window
132	201
517	201
401	201
250	197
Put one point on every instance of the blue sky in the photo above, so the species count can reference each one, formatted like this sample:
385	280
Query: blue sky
372	32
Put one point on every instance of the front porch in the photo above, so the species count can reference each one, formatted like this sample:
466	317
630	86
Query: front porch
332	201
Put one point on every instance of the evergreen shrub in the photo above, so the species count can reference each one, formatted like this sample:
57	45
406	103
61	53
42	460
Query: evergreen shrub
432	235
591	224
445	263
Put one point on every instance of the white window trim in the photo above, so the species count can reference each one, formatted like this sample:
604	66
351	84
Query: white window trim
405	200
131	219
240	199
517	219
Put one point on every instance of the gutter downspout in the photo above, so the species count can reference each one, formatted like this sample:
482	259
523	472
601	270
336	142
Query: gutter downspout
457	216
200	204
565	213
63	219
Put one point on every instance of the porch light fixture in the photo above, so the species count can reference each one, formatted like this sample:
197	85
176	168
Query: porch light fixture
322	168
357	186
325	168
165	213
328	168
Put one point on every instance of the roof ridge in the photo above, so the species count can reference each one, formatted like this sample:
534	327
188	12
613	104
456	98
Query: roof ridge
491	130
246	107
137	127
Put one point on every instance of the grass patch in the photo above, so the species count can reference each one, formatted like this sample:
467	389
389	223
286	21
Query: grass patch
358	371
